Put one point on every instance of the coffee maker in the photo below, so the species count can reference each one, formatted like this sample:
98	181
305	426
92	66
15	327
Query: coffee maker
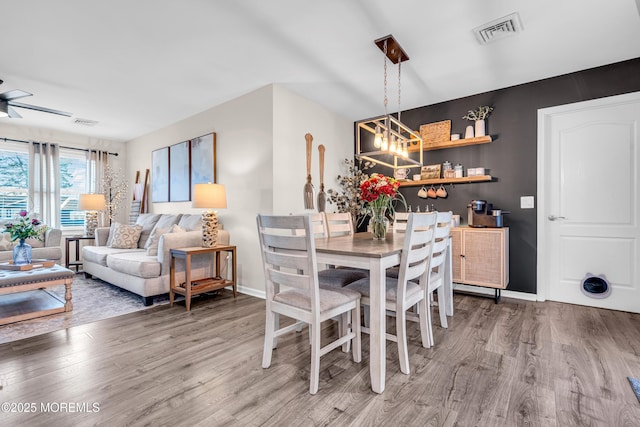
482	214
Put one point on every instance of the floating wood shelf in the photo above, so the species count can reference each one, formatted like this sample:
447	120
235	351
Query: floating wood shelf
452	144
464	180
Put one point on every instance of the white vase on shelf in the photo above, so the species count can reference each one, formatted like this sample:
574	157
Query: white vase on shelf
468	132
480	129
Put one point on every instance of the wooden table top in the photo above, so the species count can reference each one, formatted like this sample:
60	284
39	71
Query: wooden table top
361	244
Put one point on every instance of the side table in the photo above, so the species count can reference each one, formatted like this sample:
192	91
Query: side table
195	287
76	262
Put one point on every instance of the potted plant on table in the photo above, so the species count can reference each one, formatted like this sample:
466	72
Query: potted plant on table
478	116
348	198
21	229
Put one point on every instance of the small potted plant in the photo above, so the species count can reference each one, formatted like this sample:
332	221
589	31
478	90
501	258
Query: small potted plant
478	116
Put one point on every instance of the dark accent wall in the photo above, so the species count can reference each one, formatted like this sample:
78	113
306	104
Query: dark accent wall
512	156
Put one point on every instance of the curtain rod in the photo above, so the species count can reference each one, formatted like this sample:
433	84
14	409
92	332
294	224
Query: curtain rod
67	148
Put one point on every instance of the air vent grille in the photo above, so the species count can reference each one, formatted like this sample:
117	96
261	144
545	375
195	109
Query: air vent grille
85	122
499	28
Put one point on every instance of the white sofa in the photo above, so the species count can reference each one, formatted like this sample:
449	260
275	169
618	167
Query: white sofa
140	271
47	248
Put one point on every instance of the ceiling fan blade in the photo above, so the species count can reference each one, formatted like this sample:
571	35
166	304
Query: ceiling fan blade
14	94
13	113
43	109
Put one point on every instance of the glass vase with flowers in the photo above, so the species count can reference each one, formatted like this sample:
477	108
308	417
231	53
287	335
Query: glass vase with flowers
379	193
23	227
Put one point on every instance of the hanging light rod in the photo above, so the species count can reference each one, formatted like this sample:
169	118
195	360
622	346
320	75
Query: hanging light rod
394	52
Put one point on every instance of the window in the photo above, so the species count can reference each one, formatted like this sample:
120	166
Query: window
73	182
14	179
14	182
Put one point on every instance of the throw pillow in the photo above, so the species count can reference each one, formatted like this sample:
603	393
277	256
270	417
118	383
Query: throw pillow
126	236
175	228
154	239
5	242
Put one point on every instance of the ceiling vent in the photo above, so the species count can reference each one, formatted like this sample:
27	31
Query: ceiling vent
499	28
85	122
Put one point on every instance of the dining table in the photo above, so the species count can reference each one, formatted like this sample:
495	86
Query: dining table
360	250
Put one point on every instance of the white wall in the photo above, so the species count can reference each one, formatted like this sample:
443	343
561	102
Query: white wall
293	117
261	162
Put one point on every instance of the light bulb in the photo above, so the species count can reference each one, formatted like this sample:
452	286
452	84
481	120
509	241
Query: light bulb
393	146
385	143
377	141
405	152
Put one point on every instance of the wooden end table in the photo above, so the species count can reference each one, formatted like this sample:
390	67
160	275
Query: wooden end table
195	287
76	263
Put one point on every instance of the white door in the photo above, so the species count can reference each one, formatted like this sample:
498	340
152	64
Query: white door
588	217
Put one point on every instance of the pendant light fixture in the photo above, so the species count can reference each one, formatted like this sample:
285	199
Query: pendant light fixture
391	138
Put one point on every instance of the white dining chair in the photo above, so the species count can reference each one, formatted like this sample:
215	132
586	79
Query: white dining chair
400	221
339	224
404	292
437	268
292	290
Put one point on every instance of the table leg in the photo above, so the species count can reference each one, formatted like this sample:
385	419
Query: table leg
172	280
68	305
233	273
377	321
187	281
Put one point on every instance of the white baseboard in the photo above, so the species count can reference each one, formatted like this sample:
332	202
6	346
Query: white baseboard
250	291
456	286
490	291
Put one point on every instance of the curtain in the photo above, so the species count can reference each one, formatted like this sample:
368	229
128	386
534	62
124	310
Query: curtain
44	182
97	162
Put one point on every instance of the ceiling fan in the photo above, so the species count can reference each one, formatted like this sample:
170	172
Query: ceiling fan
7	101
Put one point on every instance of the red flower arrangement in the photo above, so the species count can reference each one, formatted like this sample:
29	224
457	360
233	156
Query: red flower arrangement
379	192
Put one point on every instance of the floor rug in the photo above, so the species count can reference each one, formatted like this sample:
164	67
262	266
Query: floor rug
92	299
635	385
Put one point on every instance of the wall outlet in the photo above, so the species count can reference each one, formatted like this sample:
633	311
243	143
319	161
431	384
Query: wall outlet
526	202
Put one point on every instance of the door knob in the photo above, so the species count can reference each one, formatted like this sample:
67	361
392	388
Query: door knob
553	217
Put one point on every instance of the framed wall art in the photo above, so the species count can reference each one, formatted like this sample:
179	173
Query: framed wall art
203	160
179	177
160	175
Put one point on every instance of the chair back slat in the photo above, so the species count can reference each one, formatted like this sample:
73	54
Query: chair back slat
400	222
442	231
339	223
416	251
288	255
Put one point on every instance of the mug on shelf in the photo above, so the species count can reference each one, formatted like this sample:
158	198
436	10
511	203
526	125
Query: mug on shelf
422	193
431	192
441	192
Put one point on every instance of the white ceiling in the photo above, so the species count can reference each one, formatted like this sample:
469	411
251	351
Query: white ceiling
137	66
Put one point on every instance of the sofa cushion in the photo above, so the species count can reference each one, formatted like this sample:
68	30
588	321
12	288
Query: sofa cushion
126	236
35	243
165	222
152	242
99	254
148	222
135	264
191	222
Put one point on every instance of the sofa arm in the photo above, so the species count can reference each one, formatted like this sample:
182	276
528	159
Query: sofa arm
52	237
170	241
101	236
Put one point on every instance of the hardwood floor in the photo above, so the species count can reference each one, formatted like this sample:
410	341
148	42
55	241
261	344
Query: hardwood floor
511	364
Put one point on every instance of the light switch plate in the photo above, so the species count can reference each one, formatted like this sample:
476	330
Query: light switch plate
526	202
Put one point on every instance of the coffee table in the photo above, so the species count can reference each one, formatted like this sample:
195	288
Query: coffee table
23	294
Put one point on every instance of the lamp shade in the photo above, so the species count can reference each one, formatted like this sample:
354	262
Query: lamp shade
209	196
91	202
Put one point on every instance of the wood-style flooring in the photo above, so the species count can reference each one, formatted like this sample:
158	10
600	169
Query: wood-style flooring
515	363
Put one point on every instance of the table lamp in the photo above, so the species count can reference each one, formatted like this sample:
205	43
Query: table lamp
91	203
209	196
